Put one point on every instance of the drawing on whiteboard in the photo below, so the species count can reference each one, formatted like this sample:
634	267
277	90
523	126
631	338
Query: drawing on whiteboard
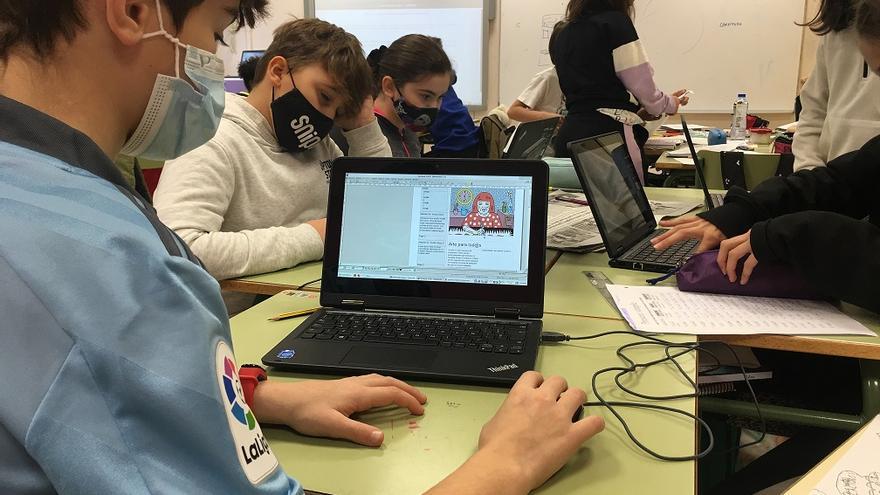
548	22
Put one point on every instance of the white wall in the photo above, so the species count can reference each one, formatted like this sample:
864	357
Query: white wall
280	12
284	9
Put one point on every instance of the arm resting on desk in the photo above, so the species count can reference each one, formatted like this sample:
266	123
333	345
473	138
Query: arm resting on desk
836	253
847	186
193	199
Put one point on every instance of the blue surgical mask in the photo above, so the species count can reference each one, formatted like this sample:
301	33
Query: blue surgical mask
179	117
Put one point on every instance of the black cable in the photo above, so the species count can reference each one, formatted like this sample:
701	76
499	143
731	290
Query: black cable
673	350
303	286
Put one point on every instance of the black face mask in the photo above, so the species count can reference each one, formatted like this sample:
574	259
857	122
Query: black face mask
299	126
414	117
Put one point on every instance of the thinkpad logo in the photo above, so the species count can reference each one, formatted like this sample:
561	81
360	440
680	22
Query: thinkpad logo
503	367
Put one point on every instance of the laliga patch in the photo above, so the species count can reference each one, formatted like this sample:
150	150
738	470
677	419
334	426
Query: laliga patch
251	447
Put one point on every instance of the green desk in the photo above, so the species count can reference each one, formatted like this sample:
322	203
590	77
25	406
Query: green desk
419	451
569	293
272	283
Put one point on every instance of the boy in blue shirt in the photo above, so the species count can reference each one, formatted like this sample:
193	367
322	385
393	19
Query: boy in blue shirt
114	342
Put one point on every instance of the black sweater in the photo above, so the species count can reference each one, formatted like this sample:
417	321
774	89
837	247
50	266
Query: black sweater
824	222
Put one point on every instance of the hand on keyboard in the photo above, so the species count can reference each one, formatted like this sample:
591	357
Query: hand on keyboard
683	228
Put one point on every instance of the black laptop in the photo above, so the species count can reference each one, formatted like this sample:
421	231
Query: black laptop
712	200
620	207
433	270
531	140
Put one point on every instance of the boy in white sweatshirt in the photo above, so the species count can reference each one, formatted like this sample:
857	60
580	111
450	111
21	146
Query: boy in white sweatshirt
841	107
254	198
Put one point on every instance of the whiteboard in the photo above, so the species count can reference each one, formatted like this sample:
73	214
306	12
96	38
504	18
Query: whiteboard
460	24
717	48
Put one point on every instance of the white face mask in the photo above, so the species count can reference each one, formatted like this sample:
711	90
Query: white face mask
178	117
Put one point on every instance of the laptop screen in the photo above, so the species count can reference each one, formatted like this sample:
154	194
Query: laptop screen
616	196
249	54
467	229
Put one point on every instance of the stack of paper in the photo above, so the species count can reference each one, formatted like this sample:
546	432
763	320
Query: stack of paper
668	310
571	226
664	143
680	128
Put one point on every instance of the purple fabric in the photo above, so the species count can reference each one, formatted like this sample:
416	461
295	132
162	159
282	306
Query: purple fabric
701	274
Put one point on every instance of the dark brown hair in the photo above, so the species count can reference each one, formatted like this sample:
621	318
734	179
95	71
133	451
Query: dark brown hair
868	19
38	24
833	16
410	58
313	41
577	8
247	70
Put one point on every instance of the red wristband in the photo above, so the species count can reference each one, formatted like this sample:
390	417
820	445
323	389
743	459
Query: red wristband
250	375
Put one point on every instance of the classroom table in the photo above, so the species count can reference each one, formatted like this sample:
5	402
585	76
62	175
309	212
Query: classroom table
269	284
272	283
568	292
419	451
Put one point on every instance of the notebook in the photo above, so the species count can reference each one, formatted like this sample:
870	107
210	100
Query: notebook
433	270
620	207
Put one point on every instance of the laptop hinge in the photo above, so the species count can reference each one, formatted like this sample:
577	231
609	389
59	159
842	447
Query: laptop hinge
352	304
507	313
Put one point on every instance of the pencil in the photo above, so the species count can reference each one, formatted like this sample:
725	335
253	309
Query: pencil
293	314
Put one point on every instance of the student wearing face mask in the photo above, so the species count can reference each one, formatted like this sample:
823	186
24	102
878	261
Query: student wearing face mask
254	198
410	78
114	343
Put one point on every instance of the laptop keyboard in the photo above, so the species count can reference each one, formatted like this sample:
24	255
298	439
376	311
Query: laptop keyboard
644	252
502	337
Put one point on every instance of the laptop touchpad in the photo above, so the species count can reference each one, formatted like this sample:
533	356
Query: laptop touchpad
389	357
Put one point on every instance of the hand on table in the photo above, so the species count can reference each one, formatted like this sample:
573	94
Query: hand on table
323	408
533	428
530	438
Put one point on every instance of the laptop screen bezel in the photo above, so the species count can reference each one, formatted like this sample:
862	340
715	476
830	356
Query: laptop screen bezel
445	297
517	146
698	165
634	237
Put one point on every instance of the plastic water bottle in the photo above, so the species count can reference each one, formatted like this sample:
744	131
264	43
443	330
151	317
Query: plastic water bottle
740	117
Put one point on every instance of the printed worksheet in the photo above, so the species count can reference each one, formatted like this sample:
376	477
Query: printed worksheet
669	310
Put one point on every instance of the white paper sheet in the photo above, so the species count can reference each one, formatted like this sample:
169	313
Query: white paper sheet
668	310
858	471
571	226
663	209
679	127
